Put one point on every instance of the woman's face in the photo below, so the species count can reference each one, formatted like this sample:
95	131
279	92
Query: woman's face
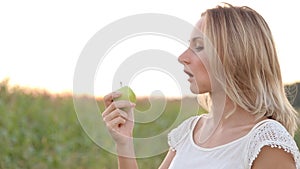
195	63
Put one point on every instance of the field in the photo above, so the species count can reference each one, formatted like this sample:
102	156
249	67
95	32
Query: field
39	131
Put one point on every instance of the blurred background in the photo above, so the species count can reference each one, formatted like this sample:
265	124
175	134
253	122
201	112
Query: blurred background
40	44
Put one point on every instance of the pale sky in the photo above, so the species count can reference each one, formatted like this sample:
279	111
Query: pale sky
42	40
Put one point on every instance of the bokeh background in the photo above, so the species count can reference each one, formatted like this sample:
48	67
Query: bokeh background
40	44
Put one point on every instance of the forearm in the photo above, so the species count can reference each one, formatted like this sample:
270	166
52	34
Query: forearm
126	156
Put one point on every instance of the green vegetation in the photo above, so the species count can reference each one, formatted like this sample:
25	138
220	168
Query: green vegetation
39	130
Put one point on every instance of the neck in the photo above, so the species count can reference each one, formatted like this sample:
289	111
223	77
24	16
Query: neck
223	116
223	111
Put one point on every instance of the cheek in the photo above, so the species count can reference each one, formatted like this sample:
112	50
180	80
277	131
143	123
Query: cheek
201	72
203	81
203	78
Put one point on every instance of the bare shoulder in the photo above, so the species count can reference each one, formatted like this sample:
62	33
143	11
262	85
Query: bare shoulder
274	158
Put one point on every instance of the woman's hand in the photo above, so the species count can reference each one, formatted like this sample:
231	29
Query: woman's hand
118	117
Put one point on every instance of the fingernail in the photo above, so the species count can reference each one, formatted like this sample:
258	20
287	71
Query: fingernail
132	104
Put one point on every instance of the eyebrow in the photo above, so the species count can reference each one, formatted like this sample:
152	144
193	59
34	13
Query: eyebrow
196	38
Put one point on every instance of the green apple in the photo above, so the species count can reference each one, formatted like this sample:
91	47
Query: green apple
127	94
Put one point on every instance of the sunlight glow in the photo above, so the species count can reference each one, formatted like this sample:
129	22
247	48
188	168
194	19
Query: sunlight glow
41	41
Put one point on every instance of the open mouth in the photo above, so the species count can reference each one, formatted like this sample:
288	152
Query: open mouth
188	73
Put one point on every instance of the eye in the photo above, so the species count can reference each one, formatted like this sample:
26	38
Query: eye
199	48
196	44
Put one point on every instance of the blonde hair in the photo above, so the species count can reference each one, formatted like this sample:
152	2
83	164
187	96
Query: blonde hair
247	63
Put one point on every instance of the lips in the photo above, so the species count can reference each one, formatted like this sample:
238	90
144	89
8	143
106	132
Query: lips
188	73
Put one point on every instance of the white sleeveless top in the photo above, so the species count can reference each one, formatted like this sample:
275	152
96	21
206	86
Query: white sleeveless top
238	154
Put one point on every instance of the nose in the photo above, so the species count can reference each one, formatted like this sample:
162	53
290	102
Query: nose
184	57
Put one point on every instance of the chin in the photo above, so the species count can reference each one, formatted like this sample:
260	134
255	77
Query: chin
194	89
197	90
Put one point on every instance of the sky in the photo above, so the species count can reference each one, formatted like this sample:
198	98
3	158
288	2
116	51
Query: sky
41	41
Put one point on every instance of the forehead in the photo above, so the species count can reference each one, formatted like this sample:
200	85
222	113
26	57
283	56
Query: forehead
197	30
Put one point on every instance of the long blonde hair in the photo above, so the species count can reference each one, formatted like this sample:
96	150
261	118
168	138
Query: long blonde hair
245	47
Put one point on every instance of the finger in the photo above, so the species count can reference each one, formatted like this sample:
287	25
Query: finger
114	114
108	109
108	99
123	104
112	106
127	107
115	123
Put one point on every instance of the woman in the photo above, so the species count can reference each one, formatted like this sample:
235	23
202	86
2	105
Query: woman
250	123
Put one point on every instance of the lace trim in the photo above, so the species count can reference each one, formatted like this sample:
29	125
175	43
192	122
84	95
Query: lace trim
273	134
176	136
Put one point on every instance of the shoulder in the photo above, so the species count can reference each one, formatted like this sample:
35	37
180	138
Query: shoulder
270	138
274	158
176	135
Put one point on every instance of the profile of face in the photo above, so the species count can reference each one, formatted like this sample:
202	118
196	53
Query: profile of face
195	62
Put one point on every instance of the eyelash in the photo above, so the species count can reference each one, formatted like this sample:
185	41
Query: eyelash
199	48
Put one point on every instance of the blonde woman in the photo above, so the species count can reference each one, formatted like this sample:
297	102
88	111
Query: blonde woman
250	124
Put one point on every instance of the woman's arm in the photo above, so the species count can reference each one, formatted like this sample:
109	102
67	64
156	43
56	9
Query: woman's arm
274	158
126	156
168	159
118	117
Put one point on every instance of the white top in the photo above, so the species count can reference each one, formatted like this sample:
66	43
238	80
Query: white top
238	154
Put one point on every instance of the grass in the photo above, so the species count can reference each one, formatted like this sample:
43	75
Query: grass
40	131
